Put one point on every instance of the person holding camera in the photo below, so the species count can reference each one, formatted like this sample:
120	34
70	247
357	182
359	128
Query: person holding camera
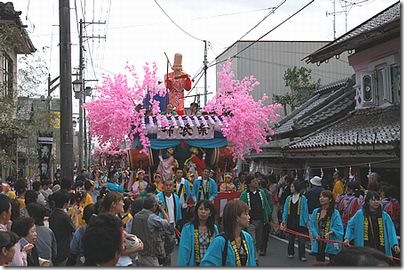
149	226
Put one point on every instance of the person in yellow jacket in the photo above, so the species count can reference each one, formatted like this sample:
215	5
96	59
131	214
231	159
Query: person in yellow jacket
338	188
89	186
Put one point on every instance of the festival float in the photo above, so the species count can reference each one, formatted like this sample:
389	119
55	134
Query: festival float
138	113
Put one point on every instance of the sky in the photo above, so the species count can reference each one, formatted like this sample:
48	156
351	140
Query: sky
139	32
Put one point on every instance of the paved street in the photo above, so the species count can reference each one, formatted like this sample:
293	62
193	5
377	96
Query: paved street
276	255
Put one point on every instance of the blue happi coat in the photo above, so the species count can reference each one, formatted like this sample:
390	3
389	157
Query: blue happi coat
304	211
177	206
354	231
335	226
186	251
213	256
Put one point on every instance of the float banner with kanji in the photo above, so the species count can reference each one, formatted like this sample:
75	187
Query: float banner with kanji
186	132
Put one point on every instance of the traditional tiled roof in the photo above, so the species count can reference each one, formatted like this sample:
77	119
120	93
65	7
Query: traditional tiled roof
369	126
24	44
381	26
328	101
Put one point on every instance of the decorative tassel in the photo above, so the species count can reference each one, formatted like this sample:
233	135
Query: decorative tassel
151	123
174	122
211	120
218	121
204	121
196	121
189	120
181	121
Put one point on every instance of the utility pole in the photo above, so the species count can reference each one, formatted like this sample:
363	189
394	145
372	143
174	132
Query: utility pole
66	126
82	138
205	68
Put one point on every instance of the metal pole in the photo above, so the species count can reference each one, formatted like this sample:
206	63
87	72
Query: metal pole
334	20
205	67
85	131
80	137
66	126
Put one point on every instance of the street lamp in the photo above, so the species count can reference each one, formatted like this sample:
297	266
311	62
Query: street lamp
77	88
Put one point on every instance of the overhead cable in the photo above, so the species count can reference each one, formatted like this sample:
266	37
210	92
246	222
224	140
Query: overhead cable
168	16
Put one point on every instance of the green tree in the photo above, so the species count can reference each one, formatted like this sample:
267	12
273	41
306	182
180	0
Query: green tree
301	86
10	130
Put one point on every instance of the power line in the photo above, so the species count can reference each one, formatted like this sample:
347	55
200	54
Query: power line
272	11
230	14
252	43
168	16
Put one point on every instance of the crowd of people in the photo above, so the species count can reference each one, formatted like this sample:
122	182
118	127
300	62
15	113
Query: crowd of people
127	218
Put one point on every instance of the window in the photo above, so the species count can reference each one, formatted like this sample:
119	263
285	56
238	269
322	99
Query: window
396	83
7	76
382	81
367	88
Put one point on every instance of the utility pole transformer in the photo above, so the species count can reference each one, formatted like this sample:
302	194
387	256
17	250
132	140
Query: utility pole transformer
66	125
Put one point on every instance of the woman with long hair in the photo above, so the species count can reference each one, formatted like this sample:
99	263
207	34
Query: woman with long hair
295	217
325	222
235	247
372	227
197	235
113	203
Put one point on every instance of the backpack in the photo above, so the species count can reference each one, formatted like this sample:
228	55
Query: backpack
224	252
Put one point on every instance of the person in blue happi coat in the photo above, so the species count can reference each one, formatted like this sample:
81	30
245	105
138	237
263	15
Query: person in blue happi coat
197	235
235	247
372	227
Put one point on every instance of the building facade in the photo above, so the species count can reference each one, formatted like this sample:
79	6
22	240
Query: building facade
267	61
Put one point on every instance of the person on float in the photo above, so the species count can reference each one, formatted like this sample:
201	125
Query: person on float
140	184
176	82
227	185
195	159
197	235
170	110
158	182
240	249
372	227
296	217
194	109
166	166
326	223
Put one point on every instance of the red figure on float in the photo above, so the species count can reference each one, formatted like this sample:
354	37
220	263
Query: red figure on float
178	80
